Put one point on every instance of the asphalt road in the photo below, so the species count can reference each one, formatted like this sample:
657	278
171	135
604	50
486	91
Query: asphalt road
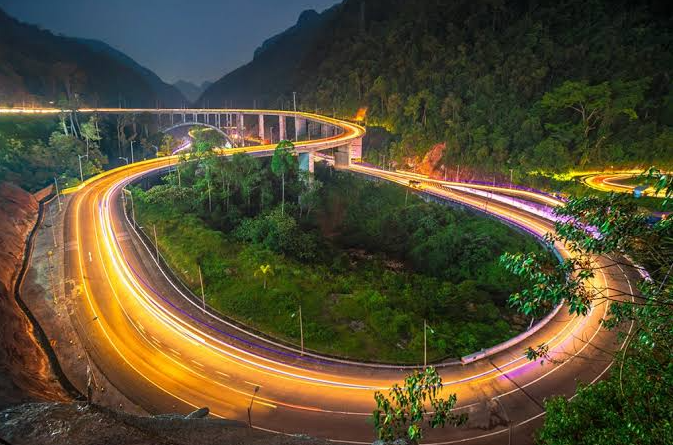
166	355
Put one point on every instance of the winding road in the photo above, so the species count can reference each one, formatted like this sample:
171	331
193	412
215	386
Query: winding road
165	353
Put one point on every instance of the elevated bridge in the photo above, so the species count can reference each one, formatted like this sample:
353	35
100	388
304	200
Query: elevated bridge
308	131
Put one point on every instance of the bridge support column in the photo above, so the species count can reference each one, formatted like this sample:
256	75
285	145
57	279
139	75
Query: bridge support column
239	129
281	128
356	149
299	128
261	127
171	119
307	161
342	156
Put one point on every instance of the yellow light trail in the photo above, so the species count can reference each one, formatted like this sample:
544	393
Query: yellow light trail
192	364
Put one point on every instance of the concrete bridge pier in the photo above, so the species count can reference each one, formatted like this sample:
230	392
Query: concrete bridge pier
299	128
261	127
240	128
281	128
307	161
342	156
356	149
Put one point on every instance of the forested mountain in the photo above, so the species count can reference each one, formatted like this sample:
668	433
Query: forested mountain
274	67
37	66
504	83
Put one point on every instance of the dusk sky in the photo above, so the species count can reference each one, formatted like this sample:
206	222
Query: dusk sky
191	40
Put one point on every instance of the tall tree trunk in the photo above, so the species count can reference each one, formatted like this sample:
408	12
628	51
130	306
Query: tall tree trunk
72	126
79	128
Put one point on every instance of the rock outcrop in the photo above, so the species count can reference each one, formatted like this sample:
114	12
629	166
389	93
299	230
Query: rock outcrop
25	371
81	424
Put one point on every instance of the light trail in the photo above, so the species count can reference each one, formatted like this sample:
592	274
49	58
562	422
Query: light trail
191	363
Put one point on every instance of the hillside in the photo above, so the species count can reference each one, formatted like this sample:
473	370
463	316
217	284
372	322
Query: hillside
268	78
37	66
499	82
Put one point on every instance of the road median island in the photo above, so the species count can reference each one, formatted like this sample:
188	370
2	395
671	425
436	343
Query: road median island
229	268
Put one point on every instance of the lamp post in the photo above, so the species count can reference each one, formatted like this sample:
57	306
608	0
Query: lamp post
252	400
301	330
132	161
79	158
58	194
425	342
511	178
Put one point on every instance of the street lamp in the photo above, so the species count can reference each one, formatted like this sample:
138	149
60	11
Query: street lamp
425	342
301	329
511	178
252	400
79	158
58	194
124	159
132	161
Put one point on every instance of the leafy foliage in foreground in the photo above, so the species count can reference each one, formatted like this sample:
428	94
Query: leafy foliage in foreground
402	413
635	404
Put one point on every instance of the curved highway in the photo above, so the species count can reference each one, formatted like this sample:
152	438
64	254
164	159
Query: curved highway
165	354
616	182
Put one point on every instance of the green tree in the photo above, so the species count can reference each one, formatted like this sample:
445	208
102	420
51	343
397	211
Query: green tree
167	145
282	163
635	404
594	109
90	133
402	413
264	270
310	196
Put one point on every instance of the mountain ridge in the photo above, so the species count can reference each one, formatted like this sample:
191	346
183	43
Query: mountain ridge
38	66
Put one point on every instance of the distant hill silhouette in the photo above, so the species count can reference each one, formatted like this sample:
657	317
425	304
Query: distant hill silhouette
190	90
37	66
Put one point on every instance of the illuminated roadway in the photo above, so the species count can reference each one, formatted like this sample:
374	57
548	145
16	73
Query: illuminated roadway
165	355
615	182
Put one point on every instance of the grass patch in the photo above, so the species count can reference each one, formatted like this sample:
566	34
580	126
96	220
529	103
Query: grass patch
379	270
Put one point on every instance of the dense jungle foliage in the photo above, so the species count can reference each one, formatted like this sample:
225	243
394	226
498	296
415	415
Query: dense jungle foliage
366	263
547	85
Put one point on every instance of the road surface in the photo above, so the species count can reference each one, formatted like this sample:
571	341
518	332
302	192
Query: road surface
165	354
